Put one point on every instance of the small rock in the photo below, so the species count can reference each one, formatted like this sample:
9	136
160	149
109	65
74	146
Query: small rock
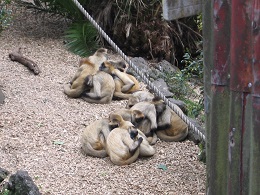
2	96
22	183
162	86
181	105
3	174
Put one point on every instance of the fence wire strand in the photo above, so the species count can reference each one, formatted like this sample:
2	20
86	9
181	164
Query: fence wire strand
144	78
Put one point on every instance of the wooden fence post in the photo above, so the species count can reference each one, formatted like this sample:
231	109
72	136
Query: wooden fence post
232	96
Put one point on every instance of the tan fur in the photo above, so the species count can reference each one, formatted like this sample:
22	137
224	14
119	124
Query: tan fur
146	150
93	138
125	83
139	96
101	87
88	66
151	111
138	119
134	116
178	129
123	144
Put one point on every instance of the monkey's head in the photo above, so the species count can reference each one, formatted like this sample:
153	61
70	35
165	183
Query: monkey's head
132	101
159	104
115	120
132	132
138	116
101	51
106	67
120	65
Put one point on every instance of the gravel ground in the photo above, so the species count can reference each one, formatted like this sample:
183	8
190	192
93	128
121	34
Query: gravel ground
36	113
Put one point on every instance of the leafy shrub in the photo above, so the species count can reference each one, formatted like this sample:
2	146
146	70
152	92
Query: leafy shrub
5	14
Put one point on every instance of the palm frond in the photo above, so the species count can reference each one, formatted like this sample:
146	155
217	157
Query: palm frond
81	38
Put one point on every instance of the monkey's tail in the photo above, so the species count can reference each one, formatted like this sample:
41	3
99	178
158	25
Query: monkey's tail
90	151
181	136
73	93
128	161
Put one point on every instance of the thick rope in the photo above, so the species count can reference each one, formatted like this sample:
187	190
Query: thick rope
145	79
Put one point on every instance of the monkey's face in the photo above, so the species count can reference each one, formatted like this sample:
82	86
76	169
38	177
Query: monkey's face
160	108
131	102
106	67
120	65
112	126
133	132
138	116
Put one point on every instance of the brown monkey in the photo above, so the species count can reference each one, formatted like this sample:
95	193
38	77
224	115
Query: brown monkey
151	110
137	118
93	138
145	148
134	116
178	129
139	96
101	88
125	83
123	144
88	66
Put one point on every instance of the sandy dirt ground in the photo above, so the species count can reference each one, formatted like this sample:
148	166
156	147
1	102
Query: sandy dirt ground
37	115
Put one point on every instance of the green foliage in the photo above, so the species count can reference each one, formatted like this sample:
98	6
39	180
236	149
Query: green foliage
59	7
81	38
179	84
193	66
202	153
194	108
199	22
5	14
5	192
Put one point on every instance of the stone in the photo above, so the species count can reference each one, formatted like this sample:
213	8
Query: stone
3	174
2	96
22	183
162	86
181	105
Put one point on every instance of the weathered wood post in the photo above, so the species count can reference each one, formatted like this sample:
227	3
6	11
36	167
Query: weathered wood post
232	96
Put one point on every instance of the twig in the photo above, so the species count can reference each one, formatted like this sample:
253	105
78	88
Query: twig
18	57
190	29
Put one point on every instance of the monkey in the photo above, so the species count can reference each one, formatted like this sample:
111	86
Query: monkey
134	116
87	66
152	111
139	96
123	144
93	138
125	83
101	88
119	64
178	129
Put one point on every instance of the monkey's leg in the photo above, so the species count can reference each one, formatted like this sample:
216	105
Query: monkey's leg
128	83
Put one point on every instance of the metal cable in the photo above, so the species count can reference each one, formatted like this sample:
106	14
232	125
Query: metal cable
145	79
